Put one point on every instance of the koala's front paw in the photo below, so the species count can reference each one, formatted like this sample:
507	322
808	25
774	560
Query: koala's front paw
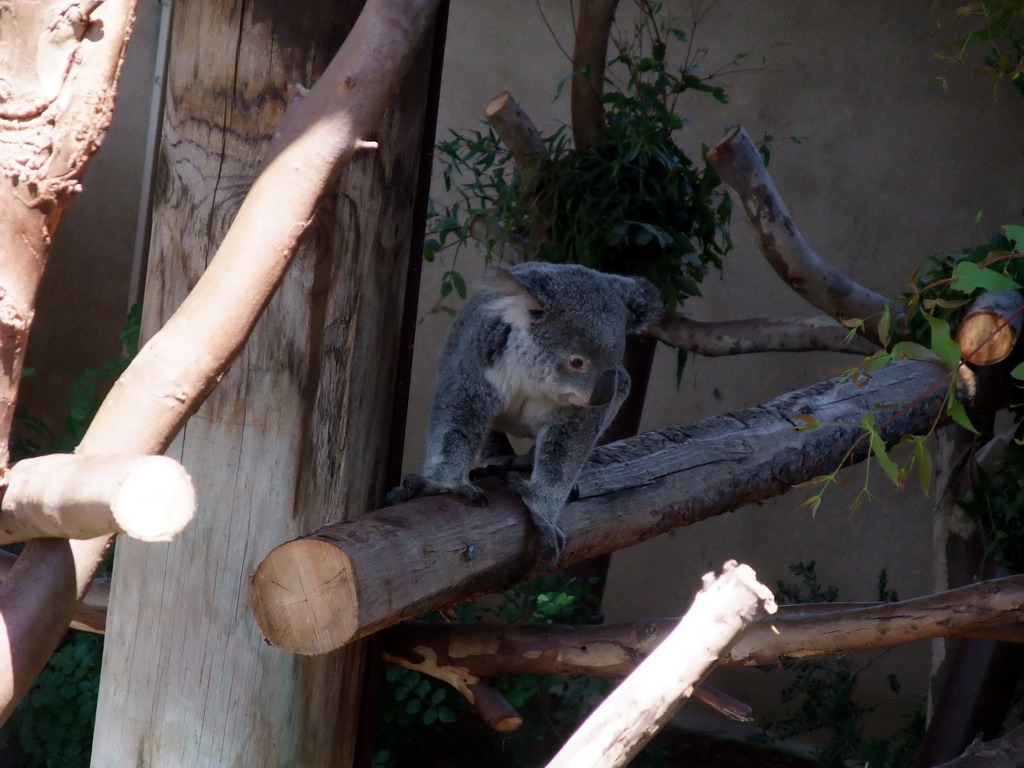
542	513
417	486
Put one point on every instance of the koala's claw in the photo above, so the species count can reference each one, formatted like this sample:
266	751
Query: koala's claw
417	486
552	539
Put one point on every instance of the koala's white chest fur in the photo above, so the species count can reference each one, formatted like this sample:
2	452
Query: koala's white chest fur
525	410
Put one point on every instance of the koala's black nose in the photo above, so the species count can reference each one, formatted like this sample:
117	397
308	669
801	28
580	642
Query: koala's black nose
604	388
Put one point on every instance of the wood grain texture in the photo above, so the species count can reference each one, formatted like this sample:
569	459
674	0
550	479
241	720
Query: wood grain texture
297	431
399	562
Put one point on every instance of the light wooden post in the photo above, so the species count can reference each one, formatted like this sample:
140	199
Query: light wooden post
297	432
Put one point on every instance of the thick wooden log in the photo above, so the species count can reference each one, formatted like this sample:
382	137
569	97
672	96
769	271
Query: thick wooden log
149	498
990	327
344	581
299	428
645	701
990	609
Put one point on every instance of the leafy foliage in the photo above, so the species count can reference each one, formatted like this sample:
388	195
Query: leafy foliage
52	727
924	330
630	203
823	695
996	30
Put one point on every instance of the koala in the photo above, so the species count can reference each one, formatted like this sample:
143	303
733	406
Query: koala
536	352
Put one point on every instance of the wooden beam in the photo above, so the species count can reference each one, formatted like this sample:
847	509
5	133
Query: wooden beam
344	581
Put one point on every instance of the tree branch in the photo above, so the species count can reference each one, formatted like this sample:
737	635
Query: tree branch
91	615
588	62
150	498
635	711
171	376
737	161
346	580
524	142
1004	752
735	337
990	609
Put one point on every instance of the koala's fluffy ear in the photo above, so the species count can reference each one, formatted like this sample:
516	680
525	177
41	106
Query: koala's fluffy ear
643	303
514	303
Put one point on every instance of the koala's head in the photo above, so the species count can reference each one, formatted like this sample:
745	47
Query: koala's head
571	325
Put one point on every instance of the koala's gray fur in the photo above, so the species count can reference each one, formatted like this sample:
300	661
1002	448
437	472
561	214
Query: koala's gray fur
536	352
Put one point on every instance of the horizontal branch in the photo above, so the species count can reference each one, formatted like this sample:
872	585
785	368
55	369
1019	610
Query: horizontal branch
736	337
990	609
737	161
346	580
65	496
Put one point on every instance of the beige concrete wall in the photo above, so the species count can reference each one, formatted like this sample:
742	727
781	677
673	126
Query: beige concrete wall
890	169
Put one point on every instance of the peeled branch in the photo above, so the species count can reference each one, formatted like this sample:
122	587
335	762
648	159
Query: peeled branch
69	496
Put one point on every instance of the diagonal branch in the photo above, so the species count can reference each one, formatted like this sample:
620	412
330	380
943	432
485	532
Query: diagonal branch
737	161
176	370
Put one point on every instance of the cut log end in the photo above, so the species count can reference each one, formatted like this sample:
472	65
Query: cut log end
497	104
986	339
156	500
304	597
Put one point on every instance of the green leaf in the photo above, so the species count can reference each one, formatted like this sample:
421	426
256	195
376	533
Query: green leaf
923	458
956	412
904	349
1018	371
887	464
1015	234
942	343
969	277
883	326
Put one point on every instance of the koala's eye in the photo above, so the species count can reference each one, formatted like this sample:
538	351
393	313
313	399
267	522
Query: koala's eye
577	363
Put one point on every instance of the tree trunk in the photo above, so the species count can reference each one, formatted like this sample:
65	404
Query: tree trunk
298	431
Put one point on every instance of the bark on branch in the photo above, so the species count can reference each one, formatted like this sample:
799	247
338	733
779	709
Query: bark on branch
171	376
524	142
635	711
737	161
344	581
990	609
736	337
1004	752
588	62
150	498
